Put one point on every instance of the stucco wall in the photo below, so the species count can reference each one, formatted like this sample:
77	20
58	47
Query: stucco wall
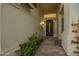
0	27
59	26
66	27
17	25
70	13
74	16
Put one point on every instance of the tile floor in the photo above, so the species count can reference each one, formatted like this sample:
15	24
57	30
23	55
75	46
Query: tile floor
50	47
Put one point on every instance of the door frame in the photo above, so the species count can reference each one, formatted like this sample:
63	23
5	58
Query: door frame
52	33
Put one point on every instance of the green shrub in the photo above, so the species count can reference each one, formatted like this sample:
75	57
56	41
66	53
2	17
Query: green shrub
27	48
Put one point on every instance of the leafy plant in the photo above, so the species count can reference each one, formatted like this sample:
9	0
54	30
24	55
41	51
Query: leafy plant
26	49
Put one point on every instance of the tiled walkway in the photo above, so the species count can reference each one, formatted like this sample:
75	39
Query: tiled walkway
50	48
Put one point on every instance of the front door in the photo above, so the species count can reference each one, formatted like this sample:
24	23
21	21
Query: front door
49	28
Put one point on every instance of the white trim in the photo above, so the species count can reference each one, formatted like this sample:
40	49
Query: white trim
31	5
10	51
16	5
60	7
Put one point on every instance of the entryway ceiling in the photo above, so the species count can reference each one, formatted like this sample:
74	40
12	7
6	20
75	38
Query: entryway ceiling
48	8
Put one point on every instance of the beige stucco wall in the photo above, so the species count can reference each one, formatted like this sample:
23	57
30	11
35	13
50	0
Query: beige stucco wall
0	27
17	25
66	28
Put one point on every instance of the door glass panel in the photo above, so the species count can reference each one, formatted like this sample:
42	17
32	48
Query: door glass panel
49	27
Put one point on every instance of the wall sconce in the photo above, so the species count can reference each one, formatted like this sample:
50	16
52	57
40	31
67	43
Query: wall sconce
42	23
